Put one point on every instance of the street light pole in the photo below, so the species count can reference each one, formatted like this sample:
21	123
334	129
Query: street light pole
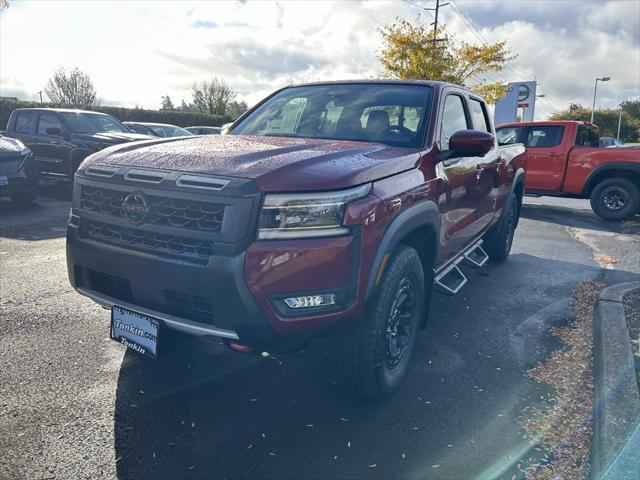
595	91
619	123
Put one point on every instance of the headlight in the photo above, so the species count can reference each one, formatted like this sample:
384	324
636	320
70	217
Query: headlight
300	215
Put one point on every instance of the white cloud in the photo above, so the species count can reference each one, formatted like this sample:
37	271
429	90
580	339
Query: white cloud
138	51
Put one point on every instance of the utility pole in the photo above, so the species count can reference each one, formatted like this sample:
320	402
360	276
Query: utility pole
40	93
435	23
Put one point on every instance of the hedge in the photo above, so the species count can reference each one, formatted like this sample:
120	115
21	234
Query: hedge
182	119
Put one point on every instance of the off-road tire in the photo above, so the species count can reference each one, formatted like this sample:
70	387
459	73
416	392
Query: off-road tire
497	241
24	198
616	192
364	355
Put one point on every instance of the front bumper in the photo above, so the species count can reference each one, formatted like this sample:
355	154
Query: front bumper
21	173
19	184
232	297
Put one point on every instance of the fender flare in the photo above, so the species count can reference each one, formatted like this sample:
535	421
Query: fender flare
518	178
589	183
425	213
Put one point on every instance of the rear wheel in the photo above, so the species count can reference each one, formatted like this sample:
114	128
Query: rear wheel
374	353
615	199
498	241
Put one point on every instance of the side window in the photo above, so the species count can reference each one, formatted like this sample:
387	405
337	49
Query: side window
141	129
454	119
479	116
48	120
544	136
24	122
508	135
587	136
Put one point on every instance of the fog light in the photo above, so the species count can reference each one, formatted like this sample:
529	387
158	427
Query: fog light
311	301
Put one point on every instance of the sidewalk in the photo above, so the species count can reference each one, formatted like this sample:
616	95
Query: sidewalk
615	453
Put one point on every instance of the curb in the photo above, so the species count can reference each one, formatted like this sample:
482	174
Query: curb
615	450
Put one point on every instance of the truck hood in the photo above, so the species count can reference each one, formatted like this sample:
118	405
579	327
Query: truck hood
275	163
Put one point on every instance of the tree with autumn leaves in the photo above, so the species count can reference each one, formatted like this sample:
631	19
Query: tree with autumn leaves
415	51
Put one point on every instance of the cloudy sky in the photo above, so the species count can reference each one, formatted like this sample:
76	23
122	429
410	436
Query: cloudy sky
138	51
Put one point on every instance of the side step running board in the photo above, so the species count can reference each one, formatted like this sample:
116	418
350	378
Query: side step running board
476	256
451	279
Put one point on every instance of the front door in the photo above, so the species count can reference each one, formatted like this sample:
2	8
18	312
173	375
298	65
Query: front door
545	157
459	183
50	148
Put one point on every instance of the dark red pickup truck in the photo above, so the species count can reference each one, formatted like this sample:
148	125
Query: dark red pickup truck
564	158
331	208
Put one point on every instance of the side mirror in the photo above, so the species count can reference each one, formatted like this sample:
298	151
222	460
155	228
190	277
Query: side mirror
54	131
471	142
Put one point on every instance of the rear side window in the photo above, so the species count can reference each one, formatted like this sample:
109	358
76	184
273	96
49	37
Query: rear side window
48	120
509	135
479	116
24	122
454	119
587	136
549	136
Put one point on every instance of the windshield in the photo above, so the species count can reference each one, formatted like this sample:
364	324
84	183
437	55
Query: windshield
385	113
169	131
93	123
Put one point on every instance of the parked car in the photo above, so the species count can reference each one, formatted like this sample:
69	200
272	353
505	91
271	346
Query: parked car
205	130
610	142
331	208
564	158
18	171
158	129
61	139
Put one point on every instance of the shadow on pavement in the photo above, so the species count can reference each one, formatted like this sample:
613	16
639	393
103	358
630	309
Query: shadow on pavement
578	219
44	219
205	413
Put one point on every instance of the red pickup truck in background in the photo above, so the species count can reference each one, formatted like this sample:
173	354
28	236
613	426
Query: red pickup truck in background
564	159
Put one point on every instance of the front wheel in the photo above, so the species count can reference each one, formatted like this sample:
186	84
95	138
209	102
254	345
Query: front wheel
615	199
374	354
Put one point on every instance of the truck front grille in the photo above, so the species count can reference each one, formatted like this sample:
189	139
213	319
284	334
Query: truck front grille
142	239
170	212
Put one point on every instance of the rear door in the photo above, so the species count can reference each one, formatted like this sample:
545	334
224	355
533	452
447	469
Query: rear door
490	192
545	157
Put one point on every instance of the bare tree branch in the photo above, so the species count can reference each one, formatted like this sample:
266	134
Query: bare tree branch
213	96
73	89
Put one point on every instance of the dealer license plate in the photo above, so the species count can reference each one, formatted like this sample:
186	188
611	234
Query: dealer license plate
135	330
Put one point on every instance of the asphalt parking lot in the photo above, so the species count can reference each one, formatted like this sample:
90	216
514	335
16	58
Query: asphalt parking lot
74	404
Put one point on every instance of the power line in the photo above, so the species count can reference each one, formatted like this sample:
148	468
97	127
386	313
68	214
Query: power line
478	34
468	22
